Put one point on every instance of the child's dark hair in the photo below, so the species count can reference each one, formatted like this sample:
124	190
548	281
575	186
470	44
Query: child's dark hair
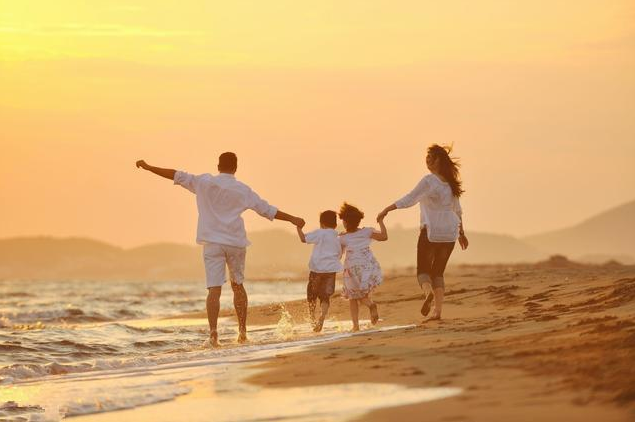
351	215
328	219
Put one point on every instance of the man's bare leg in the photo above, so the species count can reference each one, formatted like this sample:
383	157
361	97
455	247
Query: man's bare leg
213	307
240	305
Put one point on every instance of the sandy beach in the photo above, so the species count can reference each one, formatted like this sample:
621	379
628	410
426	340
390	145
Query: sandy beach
180	180
520	342
524	342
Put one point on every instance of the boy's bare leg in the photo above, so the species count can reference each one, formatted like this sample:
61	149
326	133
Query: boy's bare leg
213	307
354	314
240	305
438	302
312	305
324	307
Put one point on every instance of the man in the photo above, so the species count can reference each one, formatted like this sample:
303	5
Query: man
221	200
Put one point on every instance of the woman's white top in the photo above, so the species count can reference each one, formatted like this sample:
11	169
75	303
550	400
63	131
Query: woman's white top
358	240
440	209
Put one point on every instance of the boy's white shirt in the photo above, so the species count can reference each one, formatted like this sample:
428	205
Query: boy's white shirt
327	251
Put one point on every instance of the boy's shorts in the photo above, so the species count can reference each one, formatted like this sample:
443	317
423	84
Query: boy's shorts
321	285
217	257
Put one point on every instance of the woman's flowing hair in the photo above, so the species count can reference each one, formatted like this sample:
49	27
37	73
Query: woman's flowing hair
448	167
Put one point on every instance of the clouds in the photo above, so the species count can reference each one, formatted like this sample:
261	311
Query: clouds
326	34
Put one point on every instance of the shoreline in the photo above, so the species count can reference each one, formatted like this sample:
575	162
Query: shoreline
524	342
516	343
216	388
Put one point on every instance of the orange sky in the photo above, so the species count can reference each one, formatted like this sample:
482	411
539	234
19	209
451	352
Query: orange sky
323	102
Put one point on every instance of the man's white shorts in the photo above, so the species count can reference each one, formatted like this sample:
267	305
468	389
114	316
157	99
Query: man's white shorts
217	257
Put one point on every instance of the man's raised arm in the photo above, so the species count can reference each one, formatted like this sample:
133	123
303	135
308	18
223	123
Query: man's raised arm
167	173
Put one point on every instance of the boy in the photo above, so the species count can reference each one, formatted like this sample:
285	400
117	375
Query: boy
324	264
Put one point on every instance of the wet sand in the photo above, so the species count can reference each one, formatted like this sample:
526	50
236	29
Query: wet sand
524	342
520	343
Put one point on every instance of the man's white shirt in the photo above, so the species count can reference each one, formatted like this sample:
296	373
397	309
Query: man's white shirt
221	200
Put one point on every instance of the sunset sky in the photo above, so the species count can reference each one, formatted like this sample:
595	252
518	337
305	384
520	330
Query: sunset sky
322	101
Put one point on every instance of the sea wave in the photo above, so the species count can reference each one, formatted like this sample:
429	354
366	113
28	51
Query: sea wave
186	357
69	315
19	372
12	411
142	396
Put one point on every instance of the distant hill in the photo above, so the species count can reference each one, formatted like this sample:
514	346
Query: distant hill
609	235
279	254
273	254
45	258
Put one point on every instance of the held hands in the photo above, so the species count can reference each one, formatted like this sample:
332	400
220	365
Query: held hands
381	216
142	164
385	212
298	222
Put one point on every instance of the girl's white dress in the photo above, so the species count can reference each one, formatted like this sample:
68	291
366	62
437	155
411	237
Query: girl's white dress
362	272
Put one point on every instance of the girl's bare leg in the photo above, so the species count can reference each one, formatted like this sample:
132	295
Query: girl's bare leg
354	313
374	315
365	301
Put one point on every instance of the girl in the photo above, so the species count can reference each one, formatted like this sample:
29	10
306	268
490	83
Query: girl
441	222
361	270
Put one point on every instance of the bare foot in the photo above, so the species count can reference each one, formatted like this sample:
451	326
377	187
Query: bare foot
242	337
435	317
427	304
374	315
355	329
318	325
213	340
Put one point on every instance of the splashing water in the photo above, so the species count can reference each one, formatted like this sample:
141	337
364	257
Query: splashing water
284	328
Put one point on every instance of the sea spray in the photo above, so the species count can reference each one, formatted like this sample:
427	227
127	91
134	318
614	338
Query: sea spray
338	326
284	328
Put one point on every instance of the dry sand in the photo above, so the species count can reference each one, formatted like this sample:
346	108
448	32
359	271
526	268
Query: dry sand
543	342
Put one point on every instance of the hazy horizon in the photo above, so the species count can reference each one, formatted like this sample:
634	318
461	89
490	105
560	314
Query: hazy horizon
322	104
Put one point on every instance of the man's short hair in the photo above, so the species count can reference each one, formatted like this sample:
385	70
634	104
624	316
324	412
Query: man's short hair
228	162
329	219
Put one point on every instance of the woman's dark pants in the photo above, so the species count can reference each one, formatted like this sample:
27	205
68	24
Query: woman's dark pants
432	258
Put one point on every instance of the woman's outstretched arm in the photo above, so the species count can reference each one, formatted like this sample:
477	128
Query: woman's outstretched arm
385	212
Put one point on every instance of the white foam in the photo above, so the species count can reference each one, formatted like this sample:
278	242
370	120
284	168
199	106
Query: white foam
316	403
150	380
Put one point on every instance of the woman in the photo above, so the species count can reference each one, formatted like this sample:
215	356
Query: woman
441	223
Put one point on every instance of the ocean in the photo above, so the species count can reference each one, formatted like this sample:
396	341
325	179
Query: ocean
77	348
